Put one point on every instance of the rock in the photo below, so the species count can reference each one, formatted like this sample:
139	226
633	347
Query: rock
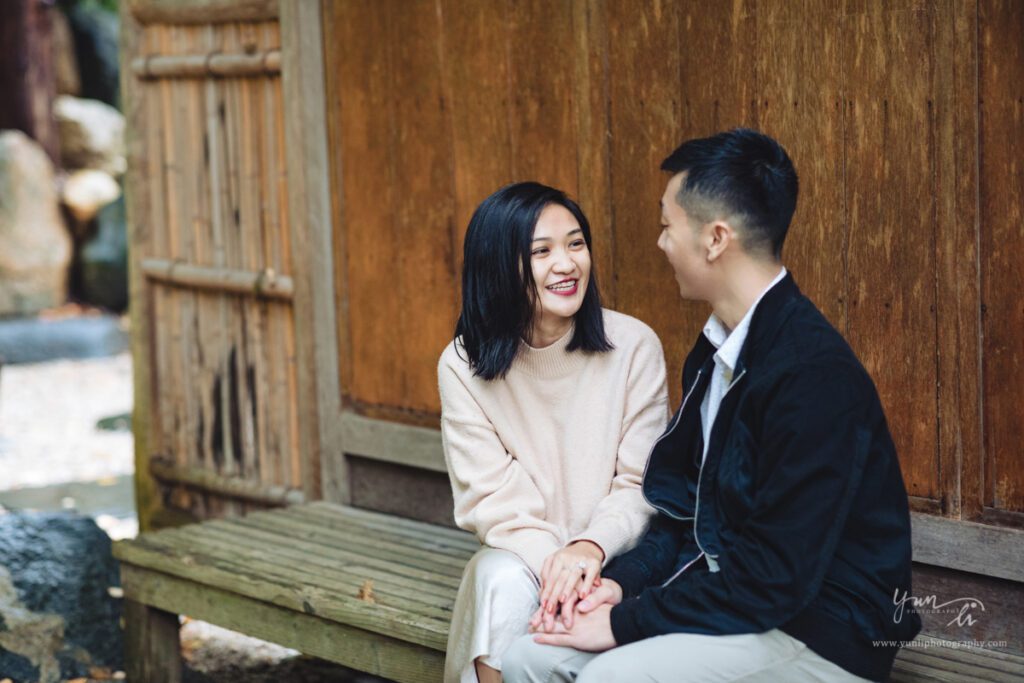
35	248
34	340
103	262
87	191
91	134
65	64
95	31
59	617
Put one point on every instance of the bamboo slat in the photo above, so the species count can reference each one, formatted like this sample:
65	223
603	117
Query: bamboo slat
201	11
231	487
264	283
264	63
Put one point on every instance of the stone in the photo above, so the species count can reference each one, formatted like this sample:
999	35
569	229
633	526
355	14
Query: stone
65	64
103	262
91	134
35	247
60	620
38	340
87	191
95	29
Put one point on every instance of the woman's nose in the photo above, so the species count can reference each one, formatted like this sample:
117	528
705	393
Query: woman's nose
564	263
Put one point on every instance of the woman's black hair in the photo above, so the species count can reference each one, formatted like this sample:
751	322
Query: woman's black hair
498	291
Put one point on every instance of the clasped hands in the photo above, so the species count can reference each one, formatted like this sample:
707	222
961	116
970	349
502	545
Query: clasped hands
575	603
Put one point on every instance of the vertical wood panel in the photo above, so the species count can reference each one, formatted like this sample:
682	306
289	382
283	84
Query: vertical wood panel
1001	25
422	246
799	75
958	321
360	52
644	96
591	71
543	113
474	48
890	170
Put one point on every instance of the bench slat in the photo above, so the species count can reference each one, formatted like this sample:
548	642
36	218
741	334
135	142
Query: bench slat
944	660
455	538
380	545
352	565
461	547
213	571
424	573
345	582
390	521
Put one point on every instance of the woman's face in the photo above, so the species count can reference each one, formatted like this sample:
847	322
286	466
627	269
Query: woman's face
561	265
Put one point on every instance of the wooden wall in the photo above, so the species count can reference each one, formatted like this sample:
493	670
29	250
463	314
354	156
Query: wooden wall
904	120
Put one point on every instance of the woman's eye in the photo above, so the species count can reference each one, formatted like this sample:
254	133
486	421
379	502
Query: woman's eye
539	252
578	243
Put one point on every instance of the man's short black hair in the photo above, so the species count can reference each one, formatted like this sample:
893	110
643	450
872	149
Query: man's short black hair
743	176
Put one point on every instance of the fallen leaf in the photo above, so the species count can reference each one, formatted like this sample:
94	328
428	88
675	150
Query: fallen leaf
366	592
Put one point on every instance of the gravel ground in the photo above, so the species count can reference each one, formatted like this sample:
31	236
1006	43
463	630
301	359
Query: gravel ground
53	456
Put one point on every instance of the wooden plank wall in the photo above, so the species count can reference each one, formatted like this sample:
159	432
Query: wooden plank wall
208	189
887	109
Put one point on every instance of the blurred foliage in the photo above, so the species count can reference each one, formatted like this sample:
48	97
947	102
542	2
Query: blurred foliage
109	5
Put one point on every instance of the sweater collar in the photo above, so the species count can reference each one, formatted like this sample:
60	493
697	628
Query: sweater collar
551	361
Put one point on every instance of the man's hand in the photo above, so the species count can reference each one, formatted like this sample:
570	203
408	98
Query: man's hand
592	632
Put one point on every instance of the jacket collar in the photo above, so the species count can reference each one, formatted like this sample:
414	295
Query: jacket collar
771	313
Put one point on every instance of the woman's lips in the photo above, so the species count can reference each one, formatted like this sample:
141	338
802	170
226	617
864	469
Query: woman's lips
564	288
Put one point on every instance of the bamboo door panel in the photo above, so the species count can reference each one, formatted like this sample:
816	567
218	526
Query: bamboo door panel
213	258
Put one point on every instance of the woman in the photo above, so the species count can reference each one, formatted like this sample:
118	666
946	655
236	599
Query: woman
550	406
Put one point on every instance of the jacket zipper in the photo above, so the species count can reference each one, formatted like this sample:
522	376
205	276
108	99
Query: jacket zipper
712	565
683	569
675	423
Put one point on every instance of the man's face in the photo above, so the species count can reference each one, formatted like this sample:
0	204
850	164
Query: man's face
682	242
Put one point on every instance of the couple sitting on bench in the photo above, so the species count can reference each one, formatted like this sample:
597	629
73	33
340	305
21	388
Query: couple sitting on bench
758	535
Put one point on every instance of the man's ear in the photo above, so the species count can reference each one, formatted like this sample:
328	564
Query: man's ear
721	237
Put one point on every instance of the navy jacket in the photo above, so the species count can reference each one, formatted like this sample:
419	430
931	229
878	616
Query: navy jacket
798	518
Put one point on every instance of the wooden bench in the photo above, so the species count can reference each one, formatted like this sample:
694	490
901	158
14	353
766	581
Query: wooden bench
367	590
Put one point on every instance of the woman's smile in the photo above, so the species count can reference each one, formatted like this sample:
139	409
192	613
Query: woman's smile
566	287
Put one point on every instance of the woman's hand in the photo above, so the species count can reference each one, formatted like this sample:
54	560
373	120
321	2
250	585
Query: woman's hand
567	575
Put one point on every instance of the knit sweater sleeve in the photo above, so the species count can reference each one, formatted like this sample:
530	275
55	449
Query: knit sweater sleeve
621	518
495	497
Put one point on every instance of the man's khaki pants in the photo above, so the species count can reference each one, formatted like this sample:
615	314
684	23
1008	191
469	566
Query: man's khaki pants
769	657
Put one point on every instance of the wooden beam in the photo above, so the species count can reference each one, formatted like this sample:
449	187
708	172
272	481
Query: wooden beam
309	204
392	442
978	548
201	11
261	283
149	503
164	470
152	648
373	653
263	63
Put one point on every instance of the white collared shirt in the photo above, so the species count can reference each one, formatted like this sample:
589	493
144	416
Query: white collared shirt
729	345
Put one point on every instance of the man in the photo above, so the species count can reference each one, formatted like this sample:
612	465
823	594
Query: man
783	530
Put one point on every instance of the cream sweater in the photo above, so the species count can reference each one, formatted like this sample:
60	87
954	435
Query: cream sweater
555	451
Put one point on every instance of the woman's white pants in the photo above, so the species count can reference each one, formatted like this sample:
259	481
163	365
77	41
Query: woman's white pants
496	599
